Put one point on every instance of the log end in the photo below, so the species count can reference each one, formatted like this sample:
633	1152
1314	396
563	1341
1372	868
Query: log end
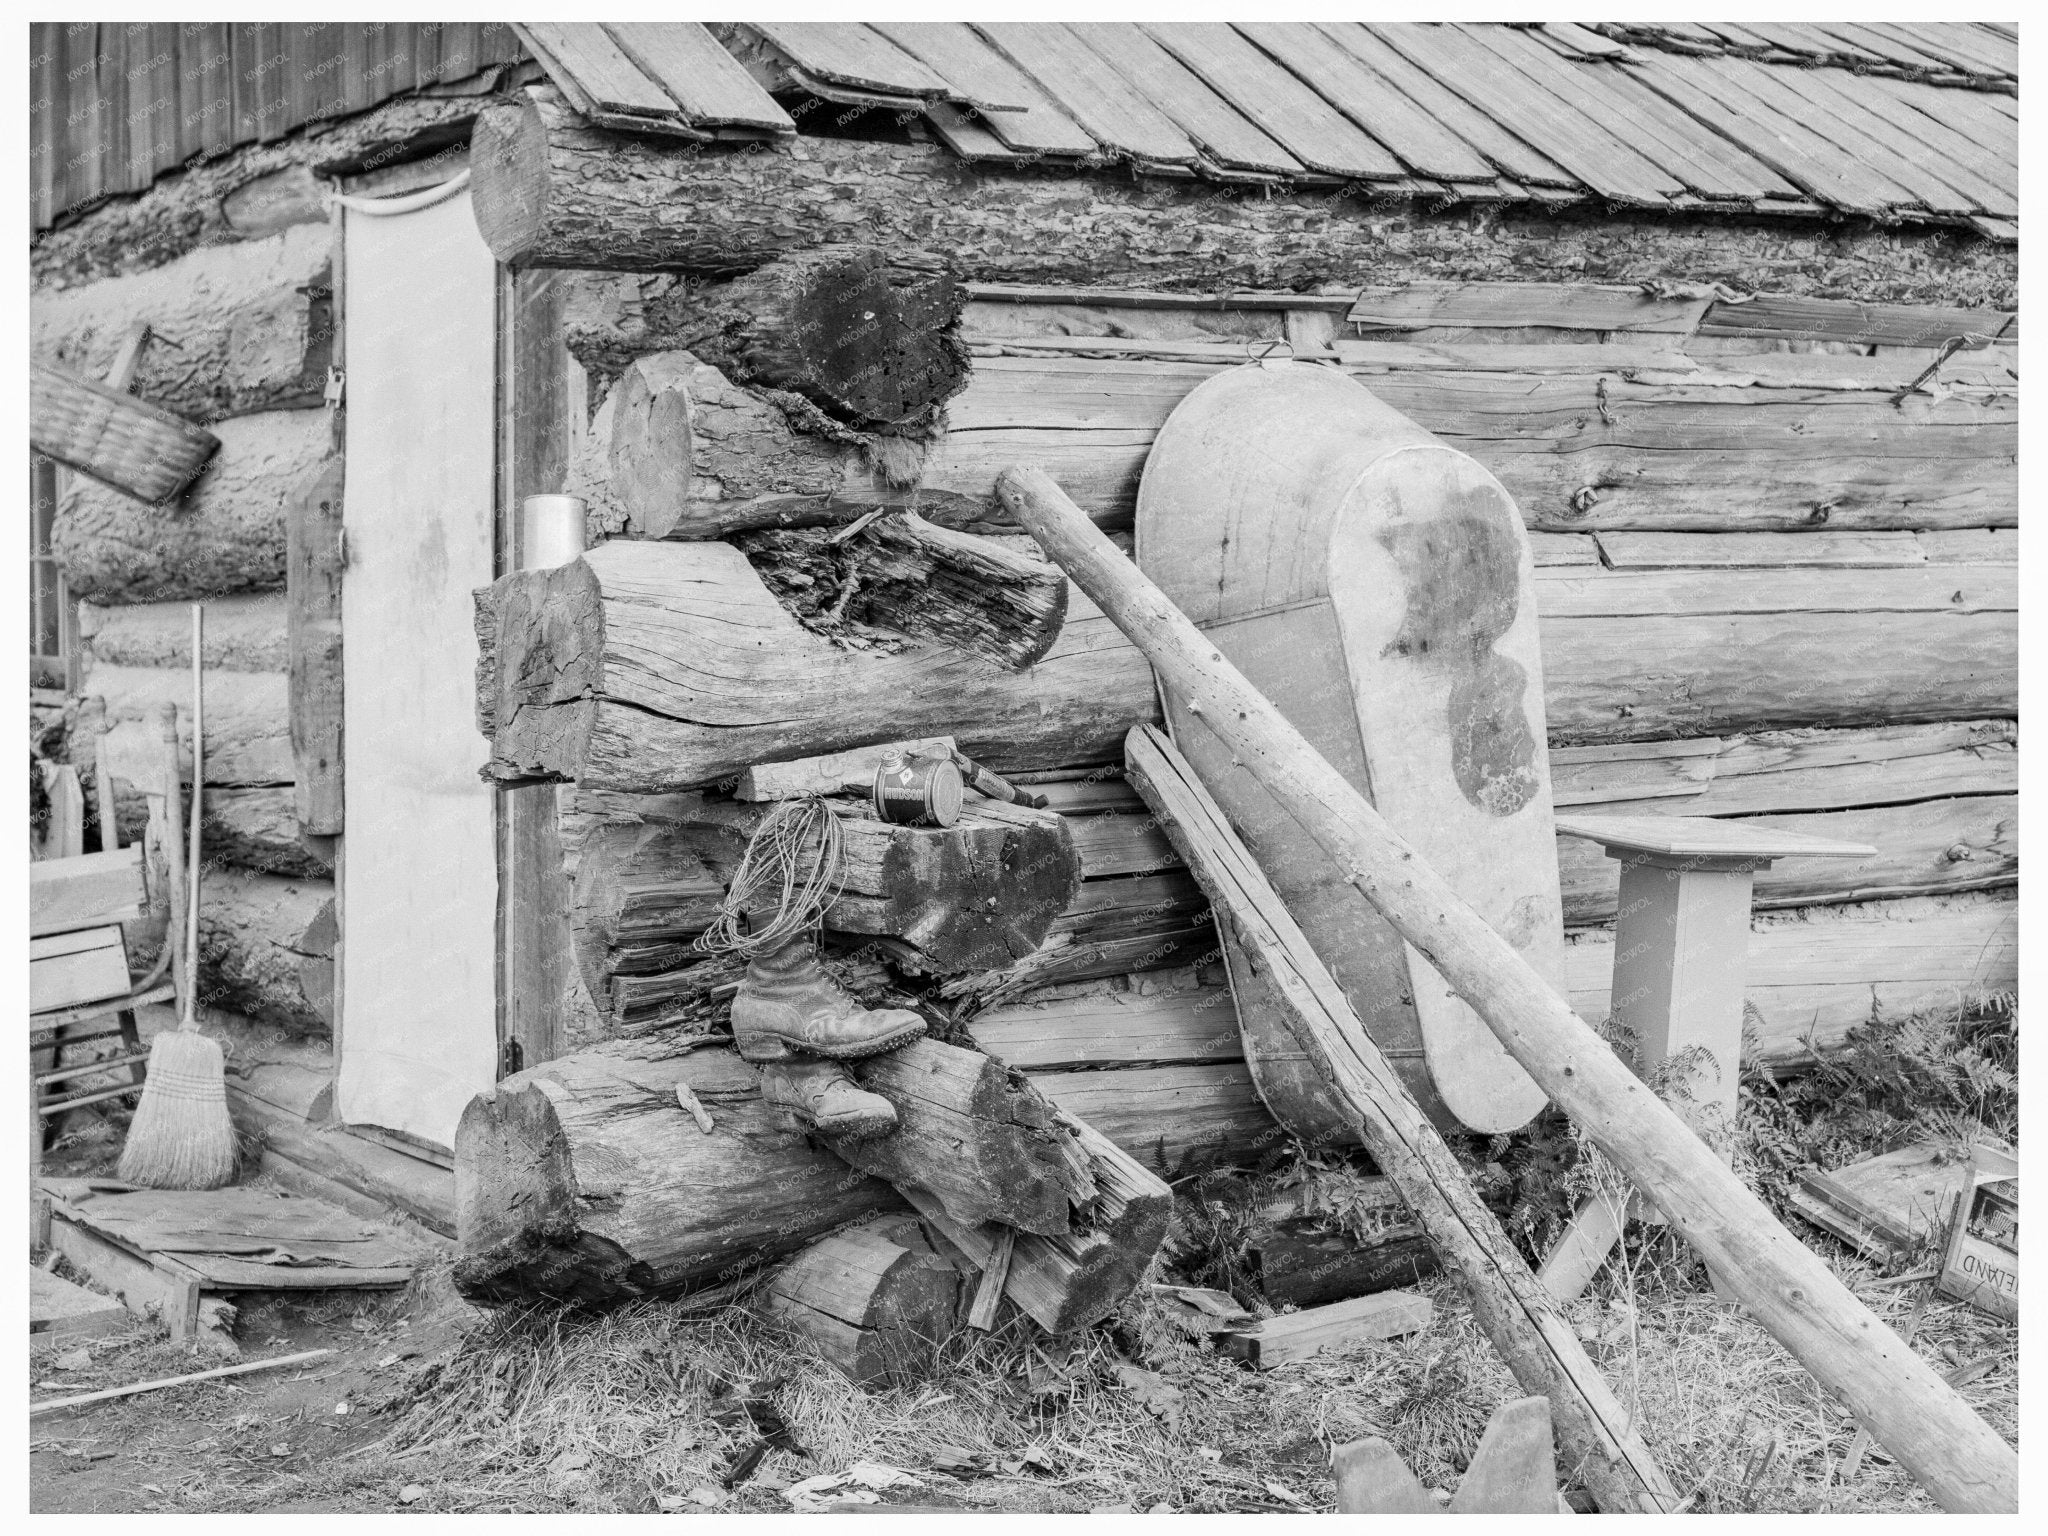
509	184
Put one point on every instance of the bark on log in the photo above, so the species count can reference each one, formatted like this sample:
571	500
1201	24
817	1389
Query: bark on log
987	597
648	668
869	336
582	1179
225	534
244	633
1917	1416
877	1311
973	1136
234	329
680	449
266	948
551	192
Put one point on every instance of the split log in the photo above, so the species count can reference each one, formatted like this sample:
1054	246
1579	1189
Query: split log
642	894
1074	1281
1577	452
225	534
974	1137
987	597
649	668
581	1179
266	948
1918	1417
877	1311
234	329
868	336
244	633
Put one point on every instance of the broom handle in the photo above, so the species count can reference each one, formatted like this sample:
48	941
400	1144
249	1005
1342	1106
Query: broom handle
192	854
172	829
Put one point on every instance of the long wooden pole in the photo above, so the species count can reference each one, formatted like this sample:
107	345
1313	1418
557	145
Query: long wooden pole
1601	1446
1914	1414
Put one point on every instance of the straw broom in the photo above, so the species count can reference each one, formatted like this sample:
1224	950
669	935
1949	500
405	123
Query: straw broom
181	1136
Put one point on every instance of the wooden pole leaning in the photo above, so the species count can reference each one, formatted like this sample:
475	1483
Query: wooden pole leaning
1922	1420
1601	1446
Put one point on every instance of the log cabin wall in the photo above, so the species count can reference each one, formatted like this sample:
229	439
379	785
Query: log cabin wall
1773	510
223	248
1776	567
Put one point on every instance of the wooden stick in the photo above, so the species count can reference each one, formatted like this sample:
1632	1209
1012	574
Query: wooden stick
36	1410
988	1294
1511	1305
1920	1419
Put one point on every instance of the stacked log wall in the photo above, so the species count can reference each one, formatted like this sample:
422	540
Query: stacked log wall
231	268
1775	582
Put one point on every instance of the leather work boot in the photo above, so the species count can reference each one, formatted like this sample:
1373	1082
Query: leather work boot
823	1098
787	1003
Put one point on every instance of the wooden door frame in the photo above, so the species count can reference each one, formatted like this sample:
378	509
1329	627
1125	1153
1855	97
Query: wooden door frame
534	953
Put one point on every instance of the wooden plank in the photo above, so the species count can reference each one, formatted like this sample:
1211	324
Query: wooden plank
987	79
1108	909
712	87
582	58
1565	306
79	942
92	889
1216	127
1113	1029
1624	550
375	1174
145	1289
536	955
1437	102
1614	679
1789	318
854	55
1120	845
1605	163
313	580
1169	1117
83	975
1817	972
57	1306
1315	132
1594	592
1089	91
1292	1337
1946	45
1423	144
1792	771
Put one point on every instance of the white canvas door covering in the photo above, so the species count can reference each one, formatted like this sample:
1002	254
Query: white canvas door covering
418	1032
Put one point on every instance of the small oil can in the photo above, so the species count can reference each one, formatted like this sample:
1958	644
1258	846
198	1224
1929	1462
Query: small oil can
918	791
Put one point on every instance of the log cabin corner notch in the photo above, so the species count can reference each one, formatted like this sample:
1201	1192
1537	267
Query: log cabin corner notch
1775	553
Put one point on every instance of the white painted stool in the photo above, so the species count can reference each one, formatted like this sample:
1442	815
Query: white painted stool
1681	945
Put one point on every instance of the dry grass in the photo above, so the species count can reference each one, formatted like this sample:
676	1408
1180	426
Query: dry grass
611	1411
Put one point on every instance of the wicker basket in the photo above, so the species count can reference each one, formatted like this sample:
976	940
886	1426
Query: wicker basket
134	446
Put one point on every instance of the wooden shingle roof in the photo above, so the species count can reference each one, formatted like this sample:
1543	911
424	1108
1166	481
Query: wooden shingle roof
1893	122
